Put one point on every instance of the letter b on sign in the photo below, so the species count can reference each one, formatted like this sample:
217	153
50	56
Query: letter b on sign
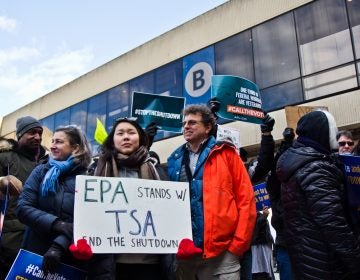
198	79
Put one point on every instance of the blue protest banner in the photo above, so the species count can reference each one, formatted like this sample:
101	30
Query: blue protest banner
165	111
261	197
352	174
27	265
239	98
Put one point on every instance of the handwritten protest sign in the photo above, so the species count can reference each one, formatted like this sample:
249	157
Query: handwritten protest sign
27	266
128	215
261	196
229	133
239	98
165	111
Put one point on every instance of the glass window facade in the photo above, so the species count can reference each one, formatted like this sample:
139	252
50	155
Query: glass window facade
279	96
324	36
96	110
275	52
304	54
331	81
144	83
78	114
49	122
234	56
354	15
168	79
118	100
62	118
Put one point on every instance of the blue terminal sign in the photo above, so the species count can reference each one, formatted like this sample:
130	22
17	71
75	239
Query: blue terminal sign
198	69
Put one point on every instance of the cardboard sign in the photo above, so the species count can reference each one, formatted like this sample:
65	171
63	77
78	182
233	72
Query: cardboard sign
46	138
128	215
294	113
27	265
229	133
261	197
165	111
239	98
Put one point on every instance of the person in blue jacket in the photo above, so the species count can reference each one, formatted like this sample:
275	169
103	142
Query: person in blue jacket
46	205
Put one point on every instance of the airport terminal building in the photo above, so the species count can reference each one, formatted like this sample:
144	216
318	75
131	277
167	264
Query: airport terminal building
298	52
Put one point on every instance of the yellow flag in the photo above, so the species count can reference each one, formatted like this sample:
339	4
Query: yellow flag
100	134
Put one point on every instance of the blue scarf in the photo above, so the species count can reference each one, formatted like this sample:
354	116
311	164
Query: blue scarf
50	182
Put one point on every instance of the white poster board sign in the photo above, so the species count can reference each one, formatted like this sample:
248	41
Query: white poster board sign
128	215
229	133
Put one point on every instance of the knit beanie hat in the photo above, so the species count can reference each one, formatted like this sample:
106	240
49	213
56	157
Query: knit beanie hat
318	126
24	124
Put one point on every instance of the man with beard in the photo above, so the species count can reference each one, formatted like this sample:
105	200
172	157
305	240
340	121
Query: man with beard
17	159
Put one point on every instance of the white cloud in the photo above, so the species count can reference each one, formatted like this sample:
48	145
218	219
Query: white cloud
17	54
7	24
21	86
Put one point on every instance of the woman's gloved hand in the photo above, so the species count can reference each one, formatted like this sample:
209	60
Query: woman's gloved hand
64	228
52	258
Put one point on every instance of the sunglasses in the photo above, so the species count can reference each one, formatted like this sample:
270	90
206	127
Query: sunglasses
343	143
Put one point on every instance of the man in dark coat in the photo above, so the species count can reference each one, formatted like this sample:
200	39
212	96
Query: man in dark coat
17	158
319	239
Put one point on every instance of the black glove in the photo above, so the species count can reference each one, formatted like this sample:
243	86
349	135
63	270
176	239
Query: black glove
64	228
151	130
268	123
52	258
288	134
214	105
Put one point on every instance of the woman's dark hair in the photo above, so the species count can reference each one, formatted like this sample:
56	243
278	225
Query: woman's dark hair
76	137
108	147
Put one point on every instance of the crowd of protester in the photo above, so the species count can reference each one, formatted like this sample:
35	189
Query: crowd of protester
304	177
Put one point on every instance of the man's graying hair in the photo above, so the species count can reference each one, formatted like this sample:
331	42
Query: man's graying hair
345	133
76	137
207	115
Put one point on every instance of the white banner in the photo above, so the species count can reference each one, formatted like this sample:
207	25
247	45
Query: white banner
229	133
128	215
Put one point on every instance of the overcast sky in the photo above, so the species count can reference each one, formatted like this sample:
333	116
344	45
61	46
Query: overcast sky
45	44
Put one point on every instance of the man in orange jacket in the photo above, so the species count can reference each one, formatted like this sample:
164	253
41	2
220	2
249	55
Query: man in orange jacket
222	201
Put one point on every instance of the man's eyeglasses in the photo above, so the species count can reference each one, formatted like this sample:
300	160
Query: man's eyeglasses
343	143
190	123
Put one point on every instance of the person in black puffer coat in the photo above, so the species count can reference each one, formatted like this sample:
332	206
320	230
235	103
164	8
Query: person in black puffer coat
319	239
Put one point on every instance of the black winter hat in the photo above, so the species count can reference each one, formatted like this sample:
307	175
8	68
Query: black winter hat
315	125
24	124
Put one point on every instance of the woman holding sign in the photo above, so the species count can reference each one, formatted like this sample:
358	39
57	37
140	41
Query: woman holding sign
125	154
46	204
